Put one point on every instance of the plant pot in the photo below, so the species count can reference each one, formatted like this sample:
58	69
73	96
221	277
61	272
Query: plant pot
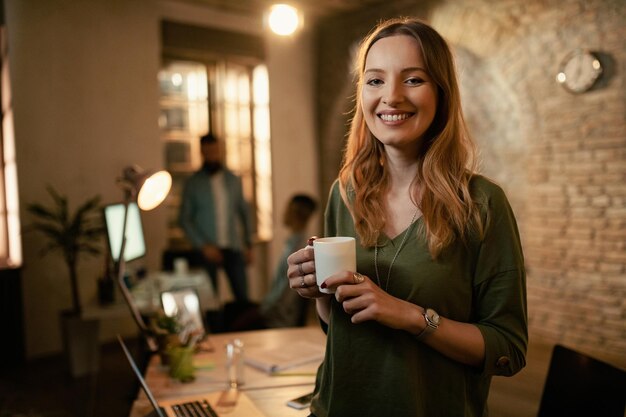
80	343
164	342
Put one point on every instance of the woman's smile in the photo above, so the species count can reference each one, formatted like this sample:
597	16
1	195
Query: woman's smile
394	117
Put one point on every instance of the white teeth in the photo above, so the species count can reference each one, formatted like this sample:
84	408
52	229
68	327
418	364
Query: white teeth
394	117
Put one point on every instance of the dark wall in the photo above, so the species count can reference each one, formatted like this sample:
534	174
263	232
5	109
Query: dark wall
11	319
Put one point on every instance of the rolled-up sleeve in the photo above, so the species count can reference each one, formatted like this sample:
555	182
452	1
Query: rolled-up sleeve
502	322
499	293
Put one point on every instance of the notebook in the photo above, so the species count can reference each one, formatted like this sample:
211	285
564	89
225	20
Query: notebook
293	355
213	404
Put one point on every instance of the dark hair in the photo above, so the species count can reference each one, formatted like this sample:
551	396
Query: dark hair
208	138
304	201
302	207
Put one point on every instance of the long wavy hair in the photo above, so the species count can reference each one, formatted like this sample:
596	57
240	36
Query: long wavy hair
446	157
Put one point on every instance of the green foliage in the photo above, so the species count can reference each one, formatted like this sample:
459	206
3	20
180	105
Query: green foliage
72	234
69	233
166	324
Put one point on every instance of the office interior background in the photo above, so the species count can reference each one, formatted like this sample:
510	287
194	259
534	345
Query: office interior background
86	102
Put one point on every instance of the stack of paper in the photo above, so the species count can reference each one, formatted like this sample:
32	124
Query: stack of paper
287	356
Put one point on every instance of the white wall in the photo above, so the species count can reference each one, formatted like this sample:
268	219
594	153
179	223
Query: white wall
294	152
84	77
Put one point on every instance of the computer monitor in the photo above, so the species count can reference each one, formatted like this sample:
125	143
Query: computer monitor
114	221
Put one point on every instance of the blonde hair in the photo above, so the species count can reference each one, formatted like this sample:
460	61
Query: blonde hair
446	158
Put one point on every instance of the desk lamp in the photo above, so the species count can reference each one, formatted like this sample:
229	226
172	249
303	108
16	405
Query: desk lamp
148	189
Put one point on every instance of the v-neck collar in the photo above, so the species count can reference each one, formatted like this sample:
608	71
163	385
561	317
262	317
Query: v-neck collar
384	239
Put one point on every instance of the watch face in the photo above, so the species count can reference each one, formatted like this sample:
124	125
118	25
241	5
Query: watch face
433	316
579	71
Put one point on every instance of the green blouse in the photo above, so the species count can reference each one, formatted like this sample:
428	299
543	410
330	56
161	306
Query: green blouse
373	370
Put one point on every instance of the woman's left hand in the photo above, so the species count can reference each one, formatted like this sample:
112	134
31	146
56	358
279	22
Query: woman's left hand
364	300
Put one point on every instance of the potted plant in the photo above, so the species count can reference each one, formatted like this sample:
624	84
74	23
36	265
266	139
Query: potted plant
165	330
72	234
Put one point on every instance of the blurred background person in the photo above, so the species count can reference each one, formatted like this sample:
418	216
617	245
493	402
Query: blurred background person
215	218
282	307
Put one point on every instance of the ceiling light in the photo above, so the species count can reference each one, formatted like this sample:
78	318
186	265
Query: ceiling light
283	19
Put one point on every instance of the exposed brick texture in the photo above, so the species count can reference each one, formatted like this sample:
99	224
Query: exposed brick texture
560	157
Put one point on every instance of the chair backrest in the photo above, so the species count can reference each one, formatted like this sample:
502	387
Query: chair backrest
579	385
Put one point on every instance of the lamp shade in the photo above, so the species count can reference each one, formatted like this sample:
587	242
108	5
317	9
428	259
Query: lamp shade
149	187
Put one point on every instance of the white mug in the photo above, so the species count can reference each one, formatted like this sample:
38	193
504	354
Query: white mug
332	255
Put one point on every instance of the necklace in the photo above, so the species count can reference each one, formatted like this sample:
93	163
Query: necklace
393	260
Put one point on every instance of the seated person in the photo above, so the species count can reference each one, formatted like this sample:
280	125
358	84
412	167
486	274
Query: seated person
282	307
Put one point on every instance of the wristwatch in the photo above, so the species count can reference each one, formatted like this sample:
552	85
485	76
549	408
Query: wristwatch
432	322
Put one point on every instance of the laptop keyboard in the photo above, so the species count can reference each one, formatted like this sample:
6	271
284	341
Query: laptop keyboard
194	409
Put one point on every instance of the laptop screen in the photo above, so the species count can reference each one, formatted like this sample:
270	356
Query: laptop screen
142	381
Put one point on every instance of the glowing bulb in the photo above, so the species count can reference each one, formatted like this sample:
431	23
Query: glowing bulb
283	19
154	190
177	79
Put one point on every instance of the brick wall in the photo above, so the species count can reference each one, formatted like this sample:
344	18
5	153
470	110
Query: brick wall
560	157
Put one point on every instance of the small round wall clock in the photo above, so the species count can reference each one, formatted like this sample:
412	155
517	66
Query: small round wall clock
579	71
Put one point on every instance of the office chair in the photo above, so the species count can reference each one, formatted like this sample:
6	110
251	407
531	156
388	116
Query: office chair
578	385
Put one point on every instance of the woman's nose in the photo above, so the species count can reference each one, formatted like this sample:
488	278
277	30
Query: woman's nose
392	94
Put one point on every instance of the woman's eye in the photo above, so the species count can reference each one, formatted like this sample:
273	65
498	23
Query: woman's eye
414	81
374	82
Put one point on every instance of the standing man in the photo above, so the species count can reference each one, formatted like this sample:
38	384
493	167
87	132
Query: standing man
215	218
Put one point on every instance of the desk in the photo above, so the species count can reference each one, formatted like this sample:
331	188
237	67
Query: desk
146	295
269	393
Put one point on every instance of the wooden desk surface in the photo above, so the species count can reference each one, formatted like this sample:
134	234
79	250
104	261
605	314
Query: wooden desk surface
269	393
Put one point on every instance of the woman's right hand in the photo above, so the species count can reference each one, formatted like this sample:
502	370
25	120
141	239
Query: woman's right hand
301	273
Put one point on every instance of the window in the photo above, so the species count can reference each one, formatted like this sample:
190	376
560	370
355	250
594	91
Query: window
10	242
232	99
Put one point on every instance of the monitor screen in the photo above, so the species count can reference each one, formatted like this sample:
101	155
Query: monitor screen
114	221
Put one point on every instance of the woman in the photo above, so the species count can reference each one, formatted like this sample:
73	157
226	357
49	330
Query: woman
438	305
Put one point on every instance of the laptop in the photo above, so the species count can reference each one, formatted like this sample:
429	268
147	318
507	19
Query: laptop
213	404
184	303
580	385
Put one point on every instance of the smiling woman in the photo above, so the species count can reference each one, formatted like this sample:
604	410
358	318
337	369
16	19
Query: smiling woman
440	298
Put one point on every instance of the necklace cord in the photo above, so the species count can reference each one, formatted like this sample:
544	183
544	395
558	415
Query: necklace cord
393	260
